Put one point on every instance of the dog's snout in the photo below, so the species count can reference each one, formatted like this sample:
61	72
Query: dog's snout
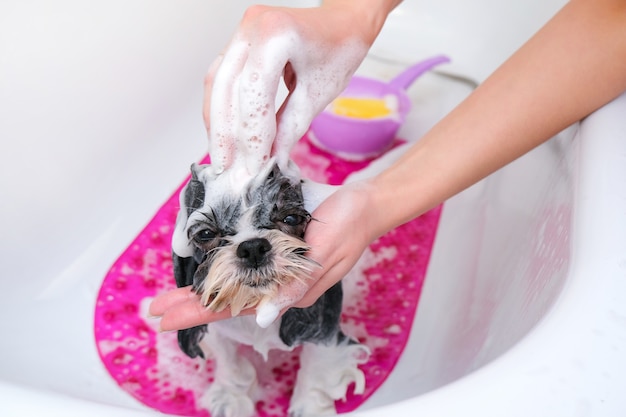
254	251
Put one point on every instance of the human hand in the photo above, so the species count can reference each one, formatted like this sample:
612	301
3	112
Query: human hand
345	223
343	226
315	50
181	308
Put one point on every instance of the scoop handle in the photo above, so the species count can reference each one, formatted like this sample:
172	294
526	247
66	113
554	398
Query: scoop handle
406	77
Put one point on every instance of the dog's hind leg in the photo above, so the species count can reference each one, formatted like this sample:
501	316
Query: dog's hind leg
235	378
326	371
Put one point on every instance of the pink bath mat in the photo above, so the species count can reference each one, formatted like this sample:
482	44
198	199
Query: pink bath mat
380	301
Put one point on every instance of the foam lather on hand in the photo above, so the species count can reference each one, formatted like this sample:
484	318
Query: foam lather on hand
266	314
243	107
269	309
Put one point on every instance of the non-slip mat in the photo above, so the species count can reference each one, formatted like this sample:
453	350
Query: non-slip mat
381	297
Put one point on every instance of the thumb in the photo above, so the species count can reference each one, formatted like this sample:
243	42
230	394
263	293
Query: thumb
269	309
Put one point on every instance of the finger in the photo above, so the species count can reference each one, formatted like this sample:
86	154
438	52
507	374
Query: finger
321	279
319	285
289	76
224	106
335	263
188	314
257	99
287	296
311	89
293	120
191	313
208	88
304	293
165	301
315	87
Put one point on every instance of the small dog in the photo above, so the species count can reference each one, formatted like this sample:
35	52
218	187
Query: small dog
236	242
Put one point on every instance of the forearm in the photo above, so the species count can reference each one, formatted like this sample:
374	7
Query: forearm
368	16
571	67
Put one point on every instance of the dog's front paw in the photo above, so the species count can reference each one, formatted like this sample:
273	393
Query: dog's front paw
222	401
314	404
326	372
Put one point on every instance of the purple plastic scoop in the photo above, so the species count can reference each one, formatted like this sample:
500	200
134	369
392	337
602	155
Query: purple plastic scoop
358	138
406	77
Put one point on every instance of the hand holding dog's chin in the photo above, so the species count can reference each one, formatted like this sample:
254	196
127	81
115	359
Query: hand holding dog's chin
345	223
343	226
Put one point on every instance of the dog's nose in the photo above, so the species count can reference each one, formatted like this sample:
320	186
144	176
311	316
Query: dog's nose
254	251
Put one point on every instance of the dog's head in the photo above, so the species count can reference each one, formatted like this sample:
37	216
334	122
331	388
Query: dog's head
237	240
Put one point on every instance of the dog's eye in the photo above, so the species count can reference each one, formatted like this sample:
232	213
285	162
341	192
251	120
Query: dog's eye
293	220
204	236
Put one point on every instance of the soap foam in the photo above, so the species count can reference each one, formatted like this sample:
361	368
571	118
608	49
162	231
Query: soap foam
316	87
224	110
243	129
268	310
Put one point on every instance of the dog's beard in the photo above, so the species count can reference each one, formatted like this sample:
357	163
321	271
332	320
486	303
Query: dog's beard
229	284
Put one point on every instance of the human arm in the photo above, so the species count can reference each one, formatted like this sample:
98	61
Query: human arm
575	64
299	44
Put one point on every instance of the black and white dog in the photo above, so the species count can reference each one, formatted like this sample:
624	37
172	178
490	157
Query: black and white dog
236	241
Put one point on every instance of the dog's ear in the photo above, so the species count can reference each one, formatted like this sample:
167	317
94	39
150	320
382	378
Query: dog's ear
186	258
184	255
194	192
195	171
274	172
189	341
184	269
191	198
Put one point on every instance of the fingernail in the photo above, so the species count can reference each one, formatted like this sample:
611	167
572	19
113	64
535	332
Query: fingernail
161	331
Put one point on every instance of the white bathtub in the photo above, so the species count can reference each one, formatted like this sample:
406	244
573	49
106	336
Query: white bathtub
523	312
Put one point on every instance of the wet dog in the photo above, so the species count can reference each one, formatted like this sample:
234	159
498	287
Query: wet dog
237	240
